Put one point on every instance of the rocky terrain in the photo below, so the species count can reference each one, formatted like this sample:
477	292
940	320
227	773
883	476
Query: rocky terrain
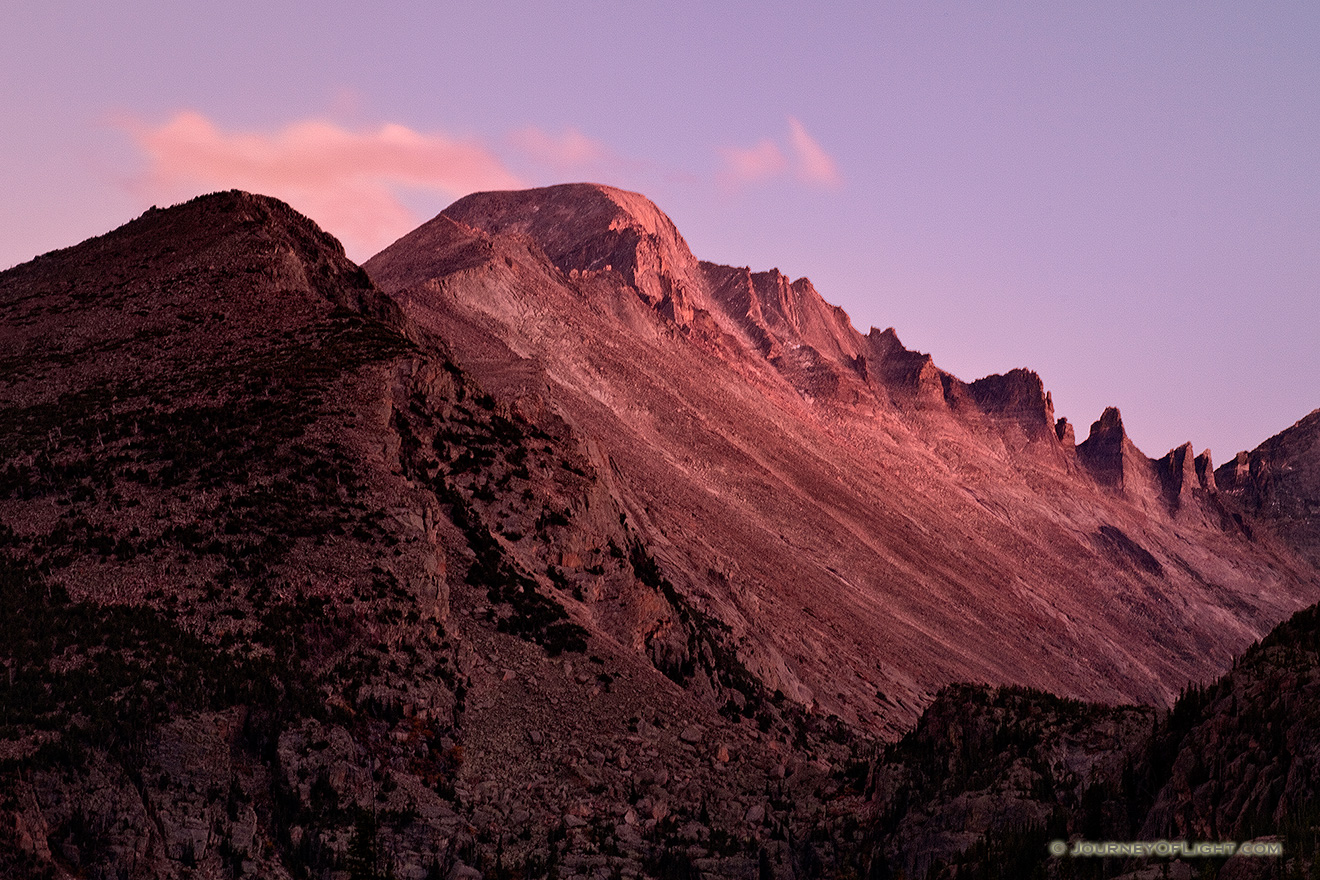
869	527
542	549
264	614
990	776
1279	481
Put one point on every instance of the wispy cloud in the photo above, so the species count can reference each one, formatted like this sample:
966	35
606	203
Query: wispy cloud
802	157
355	181
566	152
754	164
349	181
812	164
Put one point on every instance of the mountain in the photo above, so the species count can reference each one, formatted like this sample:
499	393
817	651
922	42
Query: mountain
869	527
541	548
201	528
1278	483
266	613
990	776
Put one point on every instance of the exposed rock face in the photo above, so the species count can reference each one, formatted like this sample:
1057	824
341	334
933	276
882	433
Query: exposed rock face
902	499
629	236
1019	397
1105	449
777	313
1205	472
1116	463
1067	436
1279	482
1178	477
1238	471
910	377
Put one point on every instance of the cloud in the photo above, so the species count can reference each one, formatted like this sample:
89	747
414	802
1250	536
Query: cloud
754	164
813	164
803	157
567	151
349	181
354	181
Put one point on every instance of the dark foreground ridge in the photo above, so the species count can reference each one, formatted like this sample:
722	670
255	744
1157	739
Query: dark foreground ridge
300	583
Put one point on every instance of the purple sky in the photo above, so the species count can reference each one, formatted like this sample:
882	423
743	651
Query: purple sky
1122	196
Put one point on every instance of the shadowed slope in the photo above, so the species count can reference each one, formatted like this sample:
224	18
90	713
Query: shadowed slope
1279	483
288	594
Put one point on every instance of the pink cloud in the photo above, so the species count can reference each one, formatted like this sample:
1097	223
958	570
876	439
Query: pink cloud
567	151
752	164
347	180
813	164
803	157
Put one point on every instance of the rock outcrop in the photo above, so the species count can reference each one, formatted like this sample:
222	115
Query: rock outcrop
1018	397
1279	483
592	228
779	313
1178	477
1205	472
1116	463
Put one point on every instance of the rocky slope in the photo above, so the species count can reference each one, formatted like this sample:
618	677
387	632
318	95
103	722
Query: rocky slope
990	776
1278	483
577	557
869	527
289	595
205	538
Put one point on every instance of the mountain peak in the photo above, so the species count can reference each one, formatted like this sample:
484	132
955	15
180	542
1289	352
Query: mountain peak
1109	424
589	227
769	421
558	215
1109	455
185	259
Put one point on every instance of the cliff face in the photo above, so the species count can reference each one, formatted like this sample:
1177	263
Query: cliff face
1113	460
1278	483
777	312
920	518
628	236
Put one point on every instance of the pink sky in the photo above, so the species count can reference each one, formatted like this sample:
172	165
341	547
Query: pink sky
344	179
351	180
1120	196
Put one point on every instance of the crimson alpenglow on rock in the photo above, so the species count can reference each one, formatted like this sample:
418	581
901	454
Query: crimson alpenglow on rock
861	520
541	546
